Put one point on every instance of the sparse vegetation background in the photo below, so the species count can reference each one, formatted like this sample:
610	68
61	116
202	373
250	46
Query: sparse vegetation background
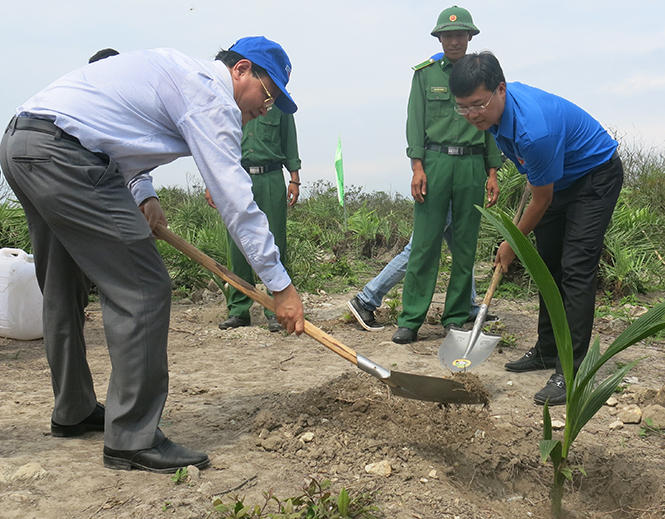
327	252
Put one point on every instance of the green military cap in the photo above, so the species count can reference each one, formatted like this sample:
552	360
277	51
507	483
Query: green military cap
455	19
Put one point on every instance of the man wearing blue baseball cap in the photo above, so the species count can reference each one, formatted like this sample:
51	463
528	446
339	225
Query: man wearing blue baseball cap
70	154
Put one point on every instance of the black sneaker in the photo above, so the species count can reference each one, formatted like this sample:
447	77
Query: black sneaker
405	335
365	317
554	392
531	361
234	322
273	324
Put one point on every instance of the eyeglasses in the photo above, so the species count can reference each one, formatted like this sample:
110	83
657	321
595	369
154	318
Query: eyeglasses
475	109
270	100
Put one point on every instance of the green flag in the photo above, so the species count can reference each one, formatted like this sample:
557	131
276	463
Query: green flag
339	168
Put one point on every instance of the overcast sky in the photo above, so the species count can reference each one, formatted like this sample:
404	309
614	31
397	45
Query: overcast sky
352	62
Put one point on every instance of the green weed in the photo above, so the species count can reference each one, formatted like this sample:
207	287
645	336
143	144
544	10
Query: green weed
180	476
648	428
317	501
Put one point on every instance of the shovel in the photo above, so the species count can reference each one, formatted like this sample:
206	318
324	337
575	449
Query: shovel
417	387
461	349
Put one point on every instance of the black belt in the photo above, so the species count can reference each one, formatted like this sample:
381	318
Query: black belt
614	157
258	170
455	150
39	125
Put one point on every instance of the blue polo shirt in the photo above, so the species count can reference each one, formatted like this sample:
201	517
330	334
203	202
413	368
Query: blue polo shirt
550	140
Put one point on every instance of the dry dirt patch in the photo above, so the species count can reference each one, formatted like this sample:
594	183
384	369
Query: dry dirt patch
272	410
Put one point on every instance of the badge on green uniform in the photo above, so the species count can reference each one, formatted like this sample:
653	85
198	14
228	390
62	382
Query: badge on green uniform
424	64
440	90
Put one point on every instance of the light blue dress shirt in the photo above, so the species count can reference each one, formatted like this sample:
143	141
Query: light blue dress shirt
147	108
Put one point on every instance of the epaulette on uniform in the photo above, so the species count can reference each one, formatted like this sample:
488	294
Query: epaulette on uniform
428	62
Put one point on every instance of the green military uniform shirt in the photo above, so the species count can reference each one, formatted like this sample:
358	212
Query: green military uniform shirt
432	118
271	139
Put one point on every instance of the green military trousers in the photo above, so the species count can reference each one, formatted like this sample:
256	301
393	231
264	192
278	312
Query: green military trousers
270	195
460	179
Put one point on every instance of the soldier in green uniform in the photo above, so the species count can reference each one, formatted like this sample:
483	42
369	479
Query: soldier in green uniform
451	161
268	144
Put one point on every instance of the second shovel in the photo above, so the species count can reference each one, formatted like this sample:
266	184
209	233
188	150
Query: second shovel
461	350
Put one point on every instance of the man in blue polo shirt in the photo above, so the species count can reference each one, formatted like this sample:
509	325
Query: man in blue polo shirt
575	174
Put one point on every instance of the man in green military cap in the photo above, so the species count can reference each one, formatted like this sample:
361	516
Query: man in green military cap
452	163
268	144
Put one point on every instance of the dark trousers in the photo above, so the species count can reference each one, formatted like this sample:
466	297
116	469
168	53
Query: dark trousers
84	225
570	239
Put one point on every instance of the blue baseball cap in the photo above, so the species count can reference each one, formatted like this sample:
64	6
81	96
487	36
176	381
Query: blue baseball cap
272	57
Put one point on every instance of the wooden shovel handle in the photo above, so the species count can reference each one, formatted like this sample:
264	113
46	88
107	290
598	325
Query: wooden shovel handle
262	298
497	270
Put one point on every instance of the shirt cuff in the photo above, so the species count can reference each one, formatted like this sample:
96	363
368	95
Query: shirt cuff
293	165
275	278
141	188
415	152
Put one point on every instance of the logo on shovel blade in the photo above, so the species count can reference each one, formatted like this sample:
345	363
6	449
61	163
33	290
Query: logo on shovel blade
461	363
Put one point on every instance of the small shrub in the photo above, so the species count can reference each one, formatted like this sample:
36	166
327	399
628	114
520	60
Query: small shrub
316	502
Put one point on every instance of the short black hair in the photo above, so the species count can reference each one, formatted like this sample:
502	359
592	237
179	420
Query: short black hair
230	58
474	70
101	54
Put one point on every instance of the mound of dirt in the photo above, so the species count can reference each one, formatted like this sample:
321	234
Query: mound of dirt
273	411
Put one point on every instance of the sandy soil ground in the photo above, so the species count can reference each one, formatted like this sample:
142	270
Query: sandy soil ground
248	396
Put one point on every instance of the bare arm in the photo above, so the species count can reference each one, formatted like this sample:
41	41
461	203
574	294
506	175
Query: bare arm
492	187
289	310
541	198
419	181
293	191
152	211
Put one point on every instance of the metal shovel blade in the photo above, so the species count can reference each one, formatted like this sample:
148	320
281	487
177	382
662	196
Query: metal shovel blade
453	348
431	389
421	387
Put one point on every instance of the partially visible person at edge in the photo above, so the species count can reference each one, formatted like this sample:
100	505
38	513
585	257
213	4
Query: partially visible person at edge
102	54
70	154
452	162
268	144
575	174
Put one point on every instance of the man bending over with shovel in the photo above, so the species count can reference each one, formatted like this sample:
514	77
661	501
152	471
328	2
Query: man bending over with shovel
575	174
68	154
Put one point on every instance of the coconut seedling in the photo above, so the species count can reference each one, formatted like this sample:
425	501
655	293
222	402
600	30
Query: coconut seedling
583	398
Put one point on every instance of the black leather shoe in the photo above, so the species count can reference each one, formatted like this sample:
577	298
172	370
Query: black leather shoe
531	361
234	322
164	458
405	335
94	422
448	327
364	317
273	324
554	392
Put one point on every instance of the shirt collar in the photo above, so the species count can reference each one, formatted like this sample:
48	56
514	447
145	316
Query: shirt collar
507	123
445	62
